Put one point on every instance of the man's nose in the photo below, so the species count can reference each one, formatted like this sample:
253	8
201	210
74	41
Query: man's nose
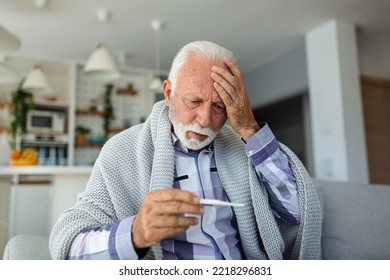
204	116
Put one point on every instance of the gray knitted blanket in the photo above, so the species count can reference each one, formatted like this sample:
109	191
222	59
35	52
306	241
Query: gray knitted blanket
141	159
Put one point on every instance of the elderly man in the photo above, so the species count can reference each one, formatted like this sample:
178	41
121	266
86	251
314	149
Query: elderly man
143	198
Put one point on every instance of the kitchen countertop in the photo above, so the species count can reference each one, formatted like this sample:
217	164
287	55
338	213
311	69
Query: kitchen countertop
46	170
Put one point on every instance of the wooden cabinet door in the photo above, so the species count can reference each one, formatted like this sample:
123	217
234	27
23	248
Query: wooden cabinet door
376	106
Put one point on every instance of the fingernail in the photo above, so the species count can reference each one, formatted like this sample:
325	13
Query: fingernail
214	68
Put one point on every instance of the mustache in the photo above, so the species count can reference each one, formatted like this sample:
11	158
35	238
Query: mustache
195	127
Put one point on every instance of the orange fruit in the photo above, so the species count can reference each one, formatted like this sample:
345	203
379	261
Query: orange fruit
15	154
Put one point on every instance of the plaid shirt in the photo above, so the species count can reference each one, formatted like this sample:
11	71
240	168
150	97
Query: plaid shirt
216	236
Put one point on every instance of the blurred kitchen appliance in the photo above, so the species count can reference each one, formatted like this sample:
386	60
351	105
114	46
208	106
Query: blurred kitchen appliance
47	132
47	120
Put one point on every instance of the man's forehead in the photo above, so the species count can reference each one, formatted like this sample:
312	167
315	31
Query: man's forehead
204	95
195	80
197	70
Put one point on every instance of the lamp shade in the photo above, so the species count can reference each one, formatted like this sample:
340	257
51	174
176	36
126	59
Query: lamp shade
101	65
36	81
156	85
8	41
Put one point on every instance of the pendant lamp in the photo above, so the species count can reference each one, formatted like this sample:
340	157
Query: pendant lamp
101	64
36	81
156	84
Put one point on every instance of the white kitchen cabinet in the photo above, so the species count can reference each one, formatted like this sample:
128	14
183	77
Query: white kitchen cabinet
30	209
34	208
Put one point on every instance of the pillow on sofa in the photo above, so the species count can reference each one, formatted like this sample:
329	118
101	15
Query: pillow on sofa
356	220
27	247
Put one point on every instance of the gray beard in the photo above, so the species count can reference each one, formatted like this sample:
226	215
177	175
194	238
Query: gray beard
181	130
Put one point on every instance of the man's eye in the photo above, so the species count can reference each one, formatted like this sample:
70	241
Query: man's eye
193	103
219	109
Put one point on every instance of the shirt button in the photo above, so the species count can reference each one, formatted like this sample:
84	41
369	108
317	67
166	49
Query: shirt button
250	152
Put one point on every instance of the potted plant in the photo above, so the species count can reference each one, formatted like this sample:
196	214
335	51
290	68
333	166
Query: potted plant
81	135
109	115
22	101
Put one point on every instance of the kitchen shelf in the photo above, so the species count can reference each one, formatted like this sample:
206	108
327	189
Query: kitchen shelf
129	90
89	145
89	112
116	129
6	130
4	104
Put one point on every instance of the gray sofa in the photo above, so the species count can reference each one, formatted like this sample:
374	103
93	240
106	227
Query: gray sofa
356	224
356	220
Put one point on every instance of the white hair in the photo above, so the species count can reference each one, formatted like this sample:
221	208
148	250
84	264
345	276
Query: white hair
205	49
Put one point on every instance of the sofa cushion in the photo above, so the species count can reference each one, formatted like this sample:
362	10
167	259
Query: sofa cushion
356	220
27	247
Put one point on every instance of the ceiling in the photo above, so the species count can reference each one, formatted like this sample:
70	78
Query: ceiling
255	30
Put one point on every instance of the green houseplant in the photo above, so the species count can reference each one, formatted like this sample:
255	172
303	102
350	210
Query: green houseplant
108	110
81	134
22	101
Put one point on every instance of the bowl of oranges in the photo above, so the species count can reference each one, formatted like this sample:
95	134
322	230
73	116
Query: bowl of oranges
28	156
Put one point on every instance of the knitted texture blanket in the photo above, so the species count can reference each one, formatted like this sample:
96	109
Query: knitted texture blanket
141	159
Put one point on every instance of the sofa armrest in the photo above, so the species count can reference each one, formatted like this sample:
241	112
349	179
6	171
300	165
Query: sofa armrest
356	220
27	247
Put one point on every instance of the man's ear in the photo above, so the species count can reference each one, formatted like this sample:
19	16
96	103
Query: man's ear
167	89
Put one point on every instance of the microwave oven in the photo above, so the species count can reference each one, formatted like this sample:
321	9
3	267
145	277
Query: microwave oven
46	121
